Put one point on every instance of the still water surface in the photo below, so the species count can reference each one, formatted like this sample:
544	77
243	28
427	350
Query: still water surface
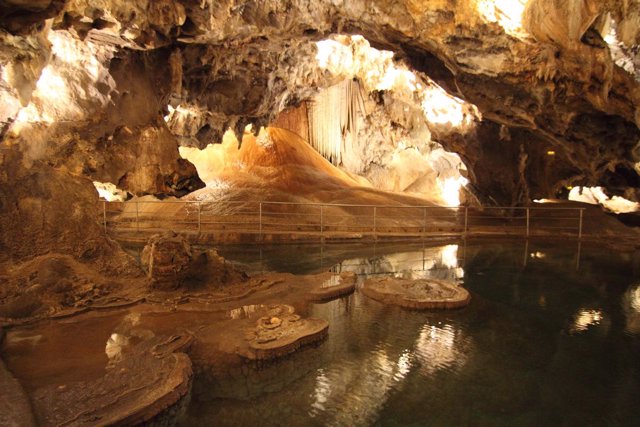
552	337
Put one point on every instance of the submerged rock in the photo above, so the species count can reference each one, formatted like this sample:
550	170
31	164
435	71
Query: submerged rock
418	294
151	383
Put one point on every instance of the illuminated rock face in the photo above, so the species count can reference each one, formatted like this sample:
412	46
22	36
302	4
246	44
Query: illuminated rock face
85	86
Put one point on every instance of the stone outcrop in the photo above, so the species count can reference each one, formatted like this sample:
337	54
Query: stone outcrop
151	384
335	287
167	258
280	331
418	293
85	87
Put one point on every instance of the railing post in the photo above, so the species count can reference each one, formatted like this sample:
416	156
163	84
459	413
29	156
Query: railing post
424	222
199	218
104	215
580	225
322	223
527	222
260	221
137	217
375	233
466	219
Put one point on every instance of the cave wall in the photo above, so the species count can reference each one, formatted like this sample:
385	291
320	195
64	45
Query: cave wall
108	89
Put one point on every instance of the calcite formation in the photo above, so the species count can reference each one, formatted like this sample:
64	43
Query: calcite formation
167	260
151	384
417	293
280	331
538	96
335	287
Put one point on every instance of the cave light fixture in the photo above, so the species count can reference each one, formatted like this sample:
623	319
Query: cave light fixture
506	13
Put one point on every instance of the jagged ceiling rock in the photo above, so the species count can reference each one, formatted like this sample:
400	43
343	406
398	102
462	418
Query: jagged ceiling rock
556	83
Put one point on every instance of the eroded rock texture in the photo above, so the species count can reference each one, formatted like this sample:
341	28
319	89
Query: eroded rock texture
86	87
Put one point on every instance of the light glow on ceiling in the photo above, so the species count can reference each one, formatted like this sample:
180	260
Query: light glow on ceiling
67	85
597	196
110	192
450	189
441	108
506	13
352	56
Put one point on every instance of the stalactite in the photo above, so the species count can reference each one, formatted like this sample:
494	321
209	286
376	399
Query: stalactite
333	119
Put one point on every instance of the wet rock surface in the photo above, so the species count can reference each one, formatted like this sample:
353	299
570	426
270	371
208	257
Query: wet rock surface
146	381
417	294
166	258
335	287
15	408
280	331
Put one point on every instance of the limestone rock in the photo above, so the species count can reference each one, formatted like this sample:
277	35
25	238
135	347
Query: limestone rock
279	331
335	287
417	294
166	258
148	385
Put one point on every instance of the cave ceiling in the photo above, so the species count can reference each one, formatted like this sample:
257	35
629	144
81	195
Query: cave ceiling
547	81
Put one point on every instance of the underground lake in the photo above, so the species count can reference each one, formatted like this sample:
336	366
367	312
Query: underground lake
551	337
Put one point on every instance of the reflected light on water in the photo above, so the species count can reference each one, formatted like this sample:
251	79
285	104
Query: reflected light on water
449	255
115	345
332	281
440	348
631	303
634	298
585	319
440	262
363	386
243	312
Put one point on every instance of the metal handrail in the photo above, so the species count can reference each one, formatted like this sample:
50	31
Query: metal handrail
372	220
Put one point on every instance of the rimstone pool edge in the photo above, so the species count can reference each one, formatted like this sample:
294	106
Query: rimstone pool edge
420	294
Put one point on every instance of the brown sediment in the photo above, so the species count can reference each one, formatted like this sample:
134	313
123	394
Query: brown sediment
417	294
149	382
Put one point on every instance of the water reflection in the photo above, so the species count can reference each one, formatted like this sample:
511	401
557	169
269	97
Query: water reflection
124	336
584	319
115	346
631	306
362	386
243	312
634	298
332	281
437	262
441	348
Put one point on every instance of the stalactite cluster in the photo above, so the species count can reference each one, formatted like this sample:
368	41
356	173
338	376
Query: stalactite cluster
334	120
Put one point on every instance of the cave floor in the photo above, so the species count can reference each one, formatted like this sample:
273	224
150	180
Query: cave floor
525	296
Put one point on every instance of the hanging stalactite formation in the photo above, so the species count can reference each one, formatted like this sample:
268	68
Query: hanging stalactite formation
334	119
